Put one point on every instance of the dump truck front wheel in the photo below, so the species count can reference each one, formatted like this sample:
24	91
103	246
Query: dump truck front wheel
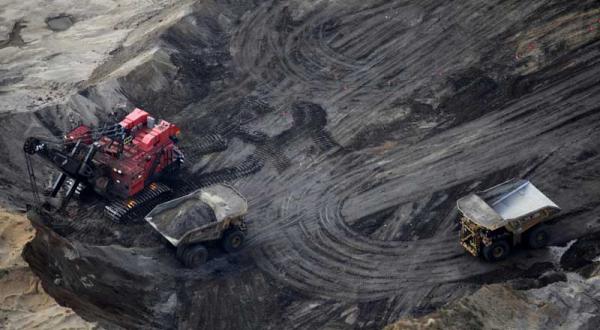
233	240
192	256
496	251
538	237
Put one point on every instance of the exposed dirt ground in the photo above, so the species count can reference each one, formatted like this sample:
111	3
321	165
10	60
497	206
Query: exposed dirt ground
354	126
23	302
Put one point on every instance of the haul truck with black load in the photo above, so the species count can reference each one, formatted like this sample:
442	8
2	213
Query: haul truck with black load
212	214
493	221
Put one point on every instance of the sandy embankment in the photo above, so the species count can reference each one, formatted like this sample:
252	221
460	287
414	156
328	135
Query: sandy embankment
23	302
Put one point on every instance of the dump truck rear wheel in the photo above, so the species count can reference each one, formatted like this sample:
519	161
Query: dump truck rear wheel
192	256
233	240
538	238
496	251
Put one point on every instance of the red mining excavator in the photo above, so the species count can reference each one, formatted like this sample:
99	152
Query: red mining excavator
121	162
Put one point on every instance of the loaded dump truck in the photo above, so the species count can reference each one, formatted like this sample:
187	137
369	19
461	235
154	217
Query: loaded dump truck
493	221
190	223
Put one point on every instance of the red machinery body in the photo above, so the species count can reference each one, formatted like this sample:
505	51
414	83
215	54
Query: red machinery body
130	162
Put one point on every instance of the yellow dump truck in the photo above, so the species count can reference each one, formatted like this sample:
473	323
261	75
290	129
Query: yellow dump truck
493	221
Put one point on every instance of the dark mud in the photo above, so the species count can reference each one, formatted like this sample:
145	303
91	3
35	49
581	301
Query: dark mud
60	23
14	36
191	214
582	253
352	129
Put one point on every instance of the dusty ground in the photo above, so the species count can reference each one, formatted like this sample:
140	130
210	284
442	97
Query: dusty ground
23	302
353	126
48	49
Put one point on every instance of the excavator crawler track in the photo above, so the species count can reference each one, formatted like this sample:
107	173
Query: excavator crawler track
128	210
207	145
250	166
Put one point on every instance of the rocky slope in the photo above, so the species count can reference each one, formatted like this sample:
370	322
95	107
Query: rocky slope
362	123
554	301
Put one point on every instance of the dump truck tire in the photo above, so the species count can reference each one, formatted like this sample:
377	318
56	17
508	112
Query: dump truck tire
537	237
233	240
496	251
192	256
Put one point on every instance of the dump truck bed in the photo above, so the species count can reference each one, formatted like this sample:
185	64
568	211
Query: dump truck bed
200	210
499	205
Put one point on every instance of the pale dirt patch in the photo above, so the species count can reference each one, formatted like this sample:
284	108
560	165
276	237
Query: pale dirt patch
23	302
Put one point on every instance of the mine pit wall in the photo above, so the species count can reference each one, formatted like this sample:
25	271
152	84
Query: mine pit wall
147	289
103	283
352	251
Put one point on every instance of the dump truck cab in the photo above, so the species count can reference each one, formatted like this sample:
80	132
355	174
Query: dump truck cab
497	219
211	214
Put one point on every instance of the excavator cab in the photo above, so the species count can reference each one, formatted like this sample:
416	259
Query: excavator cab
121	162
